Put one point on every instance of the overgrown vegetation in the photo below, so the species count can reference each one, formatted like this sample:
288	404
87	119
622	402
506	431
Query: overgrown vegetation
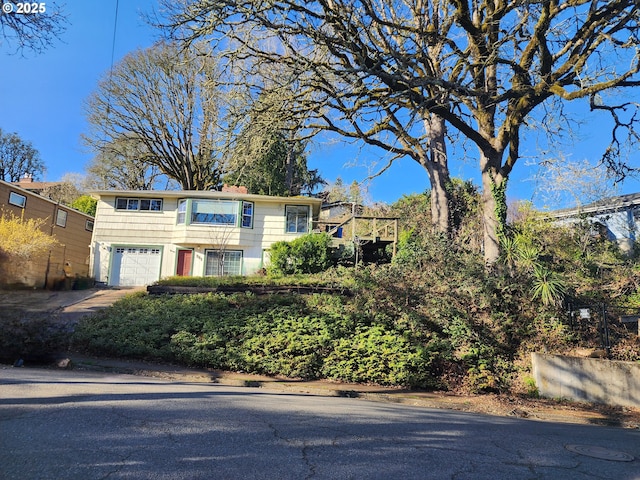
309	336
433	318
31	337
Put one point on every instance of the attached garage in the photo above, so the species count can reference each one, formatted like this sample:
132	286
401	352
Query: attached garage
135	266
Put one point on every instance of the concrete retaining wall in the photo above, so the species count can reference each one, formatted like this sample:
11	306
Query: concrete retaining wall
587	379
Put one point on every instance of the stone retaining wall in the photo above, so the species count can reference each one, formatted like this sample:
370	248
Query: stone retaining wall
587	379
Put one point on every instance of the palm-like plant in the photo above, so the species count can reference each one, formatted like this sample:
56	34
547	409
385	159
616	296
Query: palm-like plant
548	286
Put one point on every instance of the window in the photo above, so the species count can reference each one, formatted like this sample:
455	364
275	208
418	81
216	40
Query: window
216	212
88	225
152	204
247	215
142	204
297	219
219	263
126	203
61	218
182	211
17	199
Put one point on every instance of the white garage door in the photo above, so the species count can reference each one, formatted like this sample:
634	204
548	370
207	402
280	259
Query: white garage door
133	266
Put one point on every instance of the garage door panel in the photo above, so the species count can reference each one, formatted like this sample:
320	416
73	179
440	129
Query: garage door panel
135	266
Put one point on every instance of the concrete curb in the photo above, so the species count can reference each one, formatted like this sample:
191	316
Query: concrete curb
573	413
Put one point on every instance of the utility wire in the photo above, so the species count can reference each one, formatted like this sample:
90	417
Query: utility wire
113	52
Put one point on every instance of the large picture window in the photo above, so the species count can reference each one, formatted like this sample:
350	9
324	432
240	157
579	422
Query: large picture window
215	212
297	218
223	262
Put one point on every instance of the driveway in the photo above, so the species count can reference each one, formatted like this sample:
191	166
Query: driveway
69	306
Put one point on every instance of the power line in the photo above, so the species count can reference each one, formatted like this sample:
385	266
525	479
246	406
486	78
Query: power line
113	52
113	41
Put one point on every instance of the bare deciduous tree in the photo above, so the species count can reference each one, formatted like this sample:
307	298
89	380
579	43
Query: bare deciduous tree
18	158
573	183
121	165
33	28
331	50
394	73
167	101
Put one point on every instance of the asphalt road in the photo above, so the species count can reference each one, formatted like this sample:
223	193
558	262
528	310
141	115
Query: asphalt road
78	425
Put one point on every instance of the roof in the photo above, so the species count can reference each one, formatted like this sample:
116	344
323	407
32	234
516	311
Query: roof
30	185
314	202
607	205
13	186
27	183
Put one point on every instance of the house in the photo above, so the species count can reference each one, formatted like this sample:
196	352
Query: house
27	183
71	228
142	236
616	217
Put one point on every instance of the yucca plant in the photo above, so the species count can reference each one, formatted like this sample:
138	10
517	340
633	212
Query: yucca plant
548	286
528	257
509	252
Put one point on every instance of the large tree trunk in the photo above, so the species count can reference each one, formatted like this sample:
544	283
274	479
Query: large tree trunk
493	208
438	170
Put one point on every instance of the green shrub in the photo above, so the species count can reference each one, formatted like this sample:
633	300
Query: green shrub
141	326
206	349
433	317
307	254
284	342
377	355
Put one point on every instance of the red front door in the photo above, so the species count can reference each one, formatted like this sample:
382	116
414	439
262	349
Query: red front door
184	263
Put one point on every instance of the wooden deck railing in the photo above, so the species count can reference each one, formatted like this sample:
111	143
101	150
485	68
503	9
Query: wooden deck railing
361	228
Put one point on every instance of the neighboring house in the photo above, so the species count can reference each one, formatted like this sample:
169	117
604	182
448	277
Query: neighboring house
336	210
617	217
27	183
142	236
71	228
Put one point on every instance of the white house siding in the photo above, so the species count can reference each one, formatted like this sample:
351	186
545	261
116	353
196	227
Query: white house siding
117	229
130	229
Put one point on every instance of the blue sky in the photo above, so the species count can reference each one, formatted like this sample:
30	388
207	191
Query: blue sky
42	100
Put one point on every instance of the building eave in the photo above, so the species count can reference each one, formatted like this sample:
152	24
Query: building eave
609	205
315	203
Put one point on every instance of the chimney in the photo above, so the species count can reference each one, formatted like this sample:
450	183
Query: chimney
26	178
